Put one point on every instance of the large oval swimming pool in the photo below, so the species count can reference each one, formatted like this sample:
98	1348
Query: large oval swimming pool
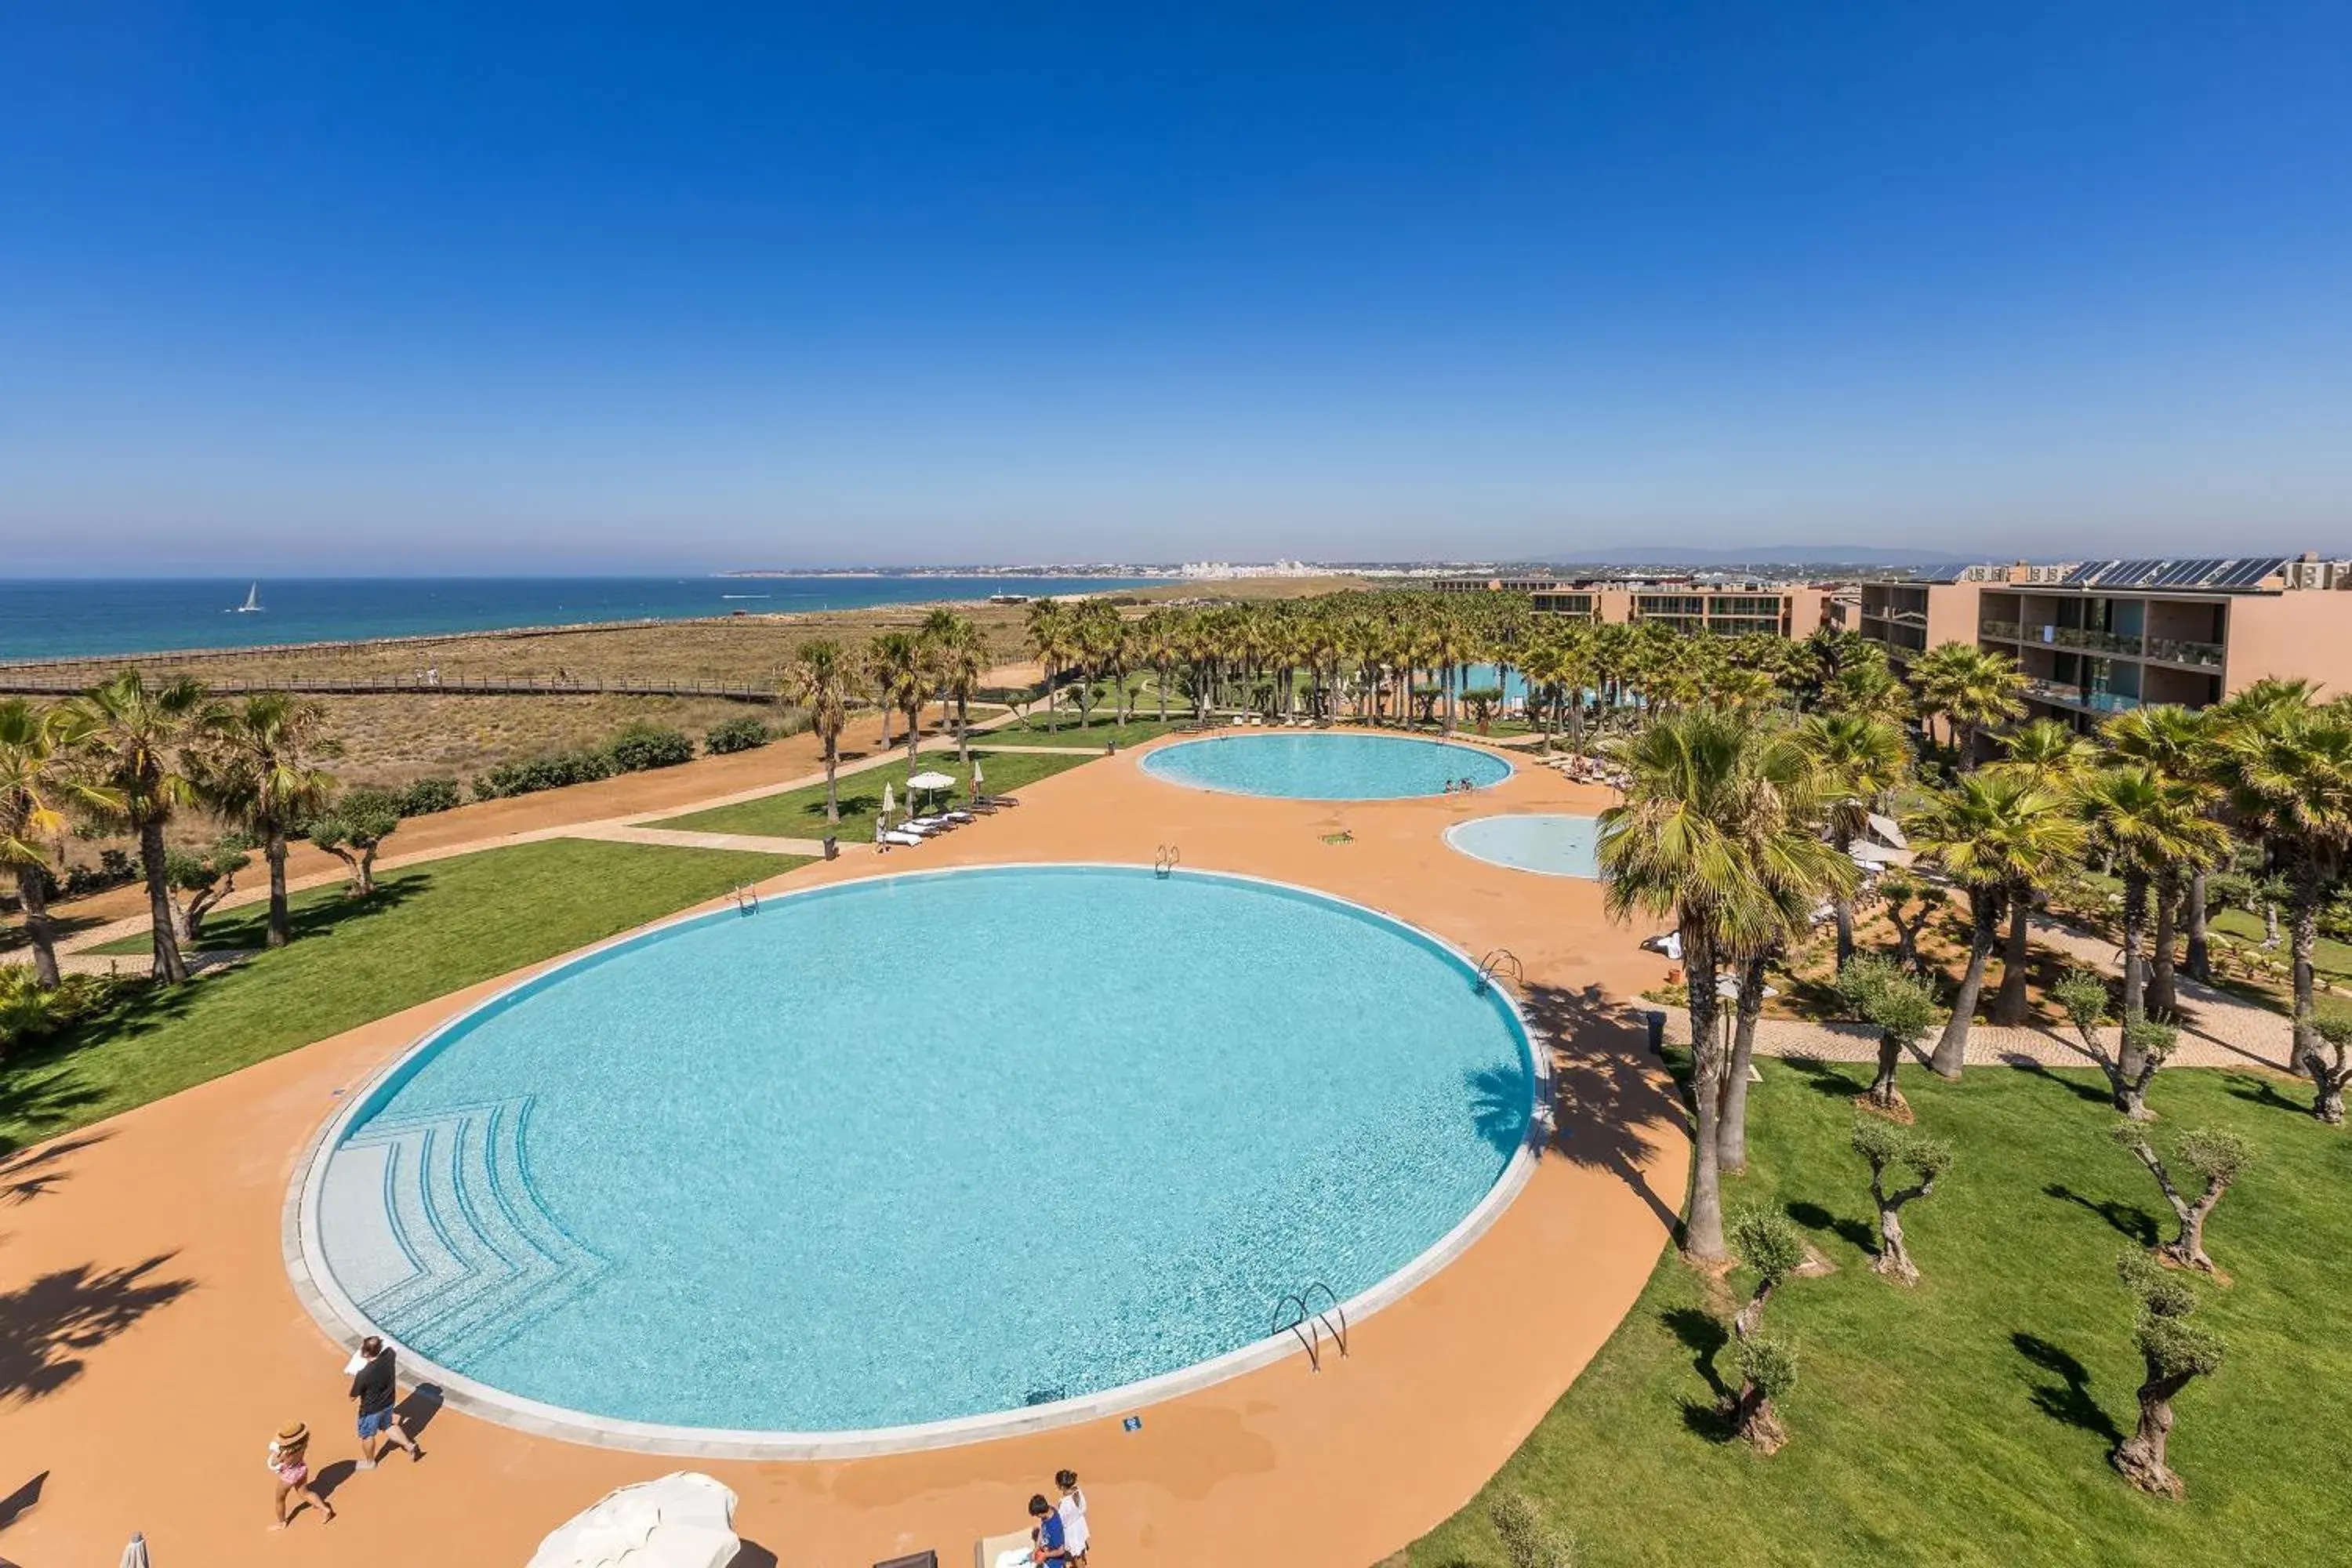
1323	765
913	1148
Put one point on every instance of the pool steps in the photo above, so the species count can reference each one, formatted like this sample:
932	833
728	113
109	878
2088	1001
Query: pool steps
484	1261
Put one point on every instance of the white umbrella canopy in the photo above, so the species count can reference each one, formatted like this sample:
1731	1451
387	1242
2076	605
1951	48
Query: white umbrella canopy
134	1555
930	781
976	780
682	1521
889	804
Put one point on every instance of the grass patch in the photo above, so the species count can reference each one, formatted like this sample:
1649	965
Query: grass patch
1035	732
1970	1422
800	812
429	930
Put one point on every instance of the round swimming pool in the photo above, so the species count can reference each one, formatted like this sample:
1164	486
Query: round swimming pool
1322	765
909	1151
1555	845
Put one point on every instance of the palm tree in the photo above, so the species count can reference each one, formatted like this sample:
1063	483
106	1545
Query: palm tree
2055	758
1713	831
138	738
1862	760
894	663
2287	763
2000	836
1160	643
961	657
42	778
1050	641
2151	825
2178	744
819	680
260	768
1972	688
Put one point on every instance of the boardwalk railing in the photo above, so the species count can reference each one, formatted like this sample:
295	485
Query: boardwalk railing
418	685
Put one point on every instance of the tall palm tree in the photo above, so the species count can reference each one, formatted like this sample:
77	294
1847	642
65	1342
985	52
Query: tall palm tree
2000	836
2288	768
1160	643
1049	642
42	777
2177	744
2151	825
1712	832
1862	760
962	660
895	664
260	768
138	737
2054	758
819	679
1971	687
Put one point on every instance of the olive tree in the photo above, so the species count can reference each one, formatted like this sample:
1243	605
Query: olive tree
1529	1537
1899	1005
354	829
1914	1161
1773	1248
198	880
2173	1353
2215	1157
2142	1045
1768	1370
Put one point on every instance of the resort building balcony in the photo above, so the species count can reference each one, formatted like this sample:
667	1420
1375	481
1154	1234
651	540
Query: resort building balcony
2182	650
1999	631
2076	697
2091	641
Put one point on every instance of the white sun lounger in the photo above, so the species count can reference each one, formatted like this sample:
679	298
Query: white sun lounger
887	836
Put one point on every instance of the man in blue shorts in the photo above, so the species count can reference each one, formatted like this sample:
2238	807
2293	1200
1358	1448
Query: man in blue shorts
376	1389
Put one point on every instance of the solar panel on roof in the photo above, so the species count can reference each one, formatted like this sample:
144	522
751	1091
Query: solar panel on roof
2189	573
2083	573
2249	573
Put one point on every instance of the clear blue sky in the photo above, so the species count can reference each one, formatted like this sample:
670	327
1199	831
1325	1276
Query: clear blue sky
343	287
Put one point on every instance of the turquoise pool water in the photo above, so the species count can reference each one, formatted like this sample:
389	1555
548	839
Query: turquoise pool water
1557	846
923	1147
1321	765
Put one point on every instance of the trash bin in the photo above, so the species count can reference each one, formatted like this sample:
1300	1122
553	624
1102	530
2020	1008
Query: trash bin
1657	1022
831	848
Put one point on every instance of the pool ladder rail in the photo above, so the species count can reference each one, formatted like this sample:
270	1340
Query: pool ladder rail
1310	1324
747	898
1164	864
1498	963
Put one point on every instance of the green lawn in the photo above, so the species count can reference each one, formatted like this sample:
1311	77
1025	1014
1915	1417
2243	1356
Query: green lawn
1036	731
429	930
1970	1422
800	812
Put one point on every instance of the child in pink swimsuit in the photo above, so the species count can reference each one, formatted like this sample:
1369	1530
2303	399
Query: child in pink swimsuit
289	1461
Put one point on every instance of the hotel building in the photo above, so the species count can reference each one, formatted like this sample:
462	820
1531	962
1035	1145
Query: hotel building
2097	637
1727	609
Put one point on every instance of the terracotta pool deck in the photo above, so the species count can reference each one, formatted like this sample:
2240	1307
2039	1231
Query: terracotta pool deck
150	1341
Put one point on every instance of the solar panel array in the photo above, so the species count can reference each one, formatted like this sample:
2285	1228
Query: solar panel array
2207	575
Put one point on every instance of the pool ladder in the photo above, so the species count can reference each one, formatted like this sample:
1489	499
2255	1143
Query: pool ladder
1164	864
747	898
1310	1323
1498	962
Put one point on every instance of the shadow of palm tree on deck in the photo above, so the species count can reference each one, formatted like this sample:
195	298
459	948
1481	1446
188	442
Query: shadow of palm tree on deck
27	1175
1607	1093
49	1325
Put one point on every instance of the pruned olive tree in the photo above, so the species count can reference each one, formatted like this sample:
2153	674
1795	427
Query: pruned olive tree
2142	1045
2173	1353
1530	1539
1905	1166
353	830
199	880
1773	1248
2328	1060
1899	1005
2215	1157
1768	1370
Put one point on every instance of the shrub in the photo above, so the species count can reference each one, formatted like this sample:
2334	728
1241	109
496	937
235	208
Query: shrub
738	734
1529	1537
29	1012
426	796
544	773
640	746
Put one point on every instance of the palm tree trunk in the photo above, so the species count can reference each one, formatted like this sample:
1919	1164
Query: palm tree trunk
169	967
1952	1046
1703	1228
831	793
913	736
2009	1001
964	731
1164	693
274	851
2160	998
2199	961
885	721
1731	1133
2303	941
33	893
2134	929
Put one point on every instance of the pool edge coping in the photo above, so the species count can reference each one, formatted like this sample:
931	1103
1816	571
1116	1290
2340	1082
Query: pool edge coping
307	1271
1161	745
1469	822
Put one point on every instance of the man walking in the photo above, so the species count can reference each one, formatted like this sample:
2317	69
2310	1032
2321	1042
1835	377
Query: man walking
375	1387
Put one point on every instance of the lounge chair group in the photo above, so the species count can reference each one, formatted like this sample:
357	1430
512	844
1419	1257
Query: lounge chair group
1585	769
916	830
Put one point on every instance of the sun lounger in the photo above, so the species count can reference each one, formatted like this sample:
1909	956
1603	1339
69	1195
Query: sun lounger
886	838
996	800
992	1550
927	824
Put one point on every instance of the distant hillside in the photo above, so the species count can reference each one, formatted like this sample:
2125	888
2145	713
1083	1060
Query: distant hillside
1763	555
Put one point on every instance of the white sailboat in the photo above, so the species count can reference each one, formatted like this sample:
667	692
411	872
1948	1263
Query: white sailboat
252	605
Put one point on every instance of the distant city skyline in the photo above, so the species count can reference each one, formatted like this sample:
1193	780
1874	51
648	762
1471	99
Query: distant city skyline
301	290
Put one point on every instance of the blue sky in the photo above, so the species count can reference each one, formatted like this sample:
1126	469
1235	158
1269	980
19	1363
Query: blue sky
603	286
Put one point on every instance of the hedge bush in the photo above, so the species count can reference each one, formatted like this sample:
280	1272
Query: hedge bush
640	746
427	796
740	734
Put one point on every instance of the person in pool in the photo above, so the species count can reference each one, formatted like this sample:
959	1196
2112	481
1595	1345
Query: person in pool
289	1462
1053	1545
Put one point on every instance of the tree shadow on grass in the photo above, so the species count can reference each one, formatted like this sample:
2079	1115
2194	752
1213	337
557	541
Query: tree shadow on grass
2095	1094
247	928
49	1325
1608	1099
1815	1217
2132	1220
1838	1080
2257	1090
2068	1400
1705	1336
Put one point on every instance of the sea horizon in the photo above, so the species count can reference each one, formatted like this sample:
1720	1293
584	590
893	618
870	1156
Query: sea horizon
94	617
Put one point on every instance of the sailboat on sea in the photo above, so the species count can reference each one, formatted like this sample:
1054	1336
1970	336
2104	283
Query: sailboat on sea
252	605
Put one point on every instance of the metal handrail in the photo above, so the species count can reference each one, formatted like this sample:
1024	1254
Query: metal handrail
1164	864
1309	1324
1497	963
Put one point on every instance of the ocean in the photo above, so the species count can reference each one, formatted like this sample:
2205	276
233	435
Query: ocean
66	618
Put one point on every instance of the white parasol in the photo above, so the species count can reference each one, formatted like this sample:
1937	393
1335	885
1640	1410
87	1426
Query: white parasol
930	781
889	802
135	1554
976	780
682	1521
